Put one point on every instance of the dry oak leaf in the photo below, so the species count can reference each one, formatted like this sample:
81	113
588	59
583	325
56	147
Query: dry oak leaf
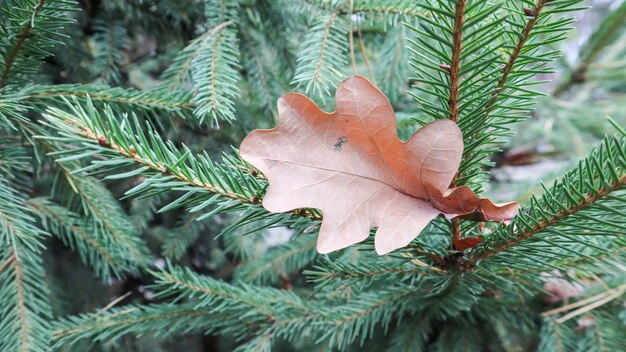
351	165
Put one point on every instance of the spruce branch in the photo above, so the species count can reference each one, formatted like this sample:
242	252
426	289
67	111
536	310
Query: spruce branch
274	264
356	320
182	283
259	61
179	72
208	66
594	185
534	16
340	276
111	42
177	102
494	91
455	60
110	225
97	249
179	239
528	232
119	321
29	28
23	35
391	72
453	102
163	166
126	145
322	56
11	109
25	307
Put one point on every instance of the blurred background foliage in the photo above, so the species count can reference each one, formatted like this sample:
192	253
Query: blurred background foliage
160	54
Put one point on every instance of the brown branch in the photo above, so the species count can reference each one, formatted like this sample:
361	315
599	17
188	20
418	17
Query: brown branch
15	49
7	262
552	220
455	61
506	71
455	226
508	68
453	103
351	39
24	328
364	54
114	302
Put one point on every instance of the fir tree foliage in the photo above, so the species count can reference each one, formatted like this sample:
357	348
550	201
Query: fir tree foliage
25	305
119	122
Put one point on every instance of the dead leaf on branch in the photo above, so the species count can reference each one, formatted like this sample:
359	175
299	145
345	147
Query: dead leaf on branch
351	165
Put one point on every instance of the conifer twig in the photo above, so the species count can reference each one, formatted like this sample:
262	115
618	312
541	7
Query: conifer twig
24	327
455	61
323	47
508	68
103	95
7	262
364	54
114	302
15	49
453	103
534	13
552	220
351	39
163	169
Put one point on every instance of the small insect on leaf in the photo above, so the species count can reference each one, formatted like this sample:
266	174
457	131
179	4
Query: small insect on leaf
341	141
378	182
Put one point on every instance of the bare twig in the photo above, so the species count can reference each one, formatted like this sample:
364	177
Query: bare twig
597	301
7	262
364	54
114	302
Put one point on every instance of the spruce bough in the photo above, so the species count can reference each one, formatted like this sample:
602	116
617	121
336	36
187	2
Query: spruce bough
127	219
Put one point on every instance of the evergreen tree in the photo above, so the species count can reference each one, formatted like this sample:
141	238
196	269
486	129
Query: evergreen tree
129	222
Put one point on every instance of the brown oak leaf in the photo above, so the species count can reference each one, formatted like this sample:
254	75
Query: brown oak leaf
351	165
